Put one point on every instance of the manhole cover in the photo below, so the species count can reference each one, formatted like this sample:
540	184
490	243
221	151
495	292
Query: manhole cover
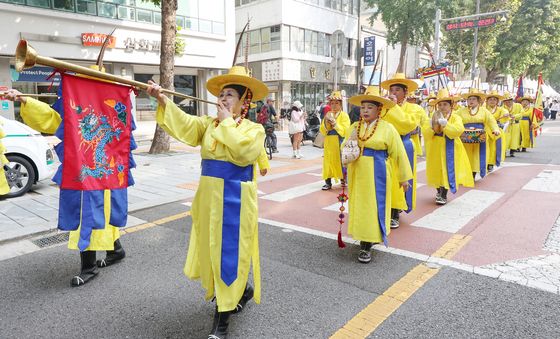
51	240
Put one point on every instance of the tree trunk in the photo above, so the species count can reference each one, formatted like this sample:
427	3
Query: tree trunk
160	143
491	75
404	45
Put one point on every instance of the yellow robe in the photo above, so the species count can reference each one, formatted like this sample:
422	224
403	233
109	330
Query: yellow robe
364	220
4	187
404	122
41	117
482	116
501	116
514	131
239	145
527	124
262	163
436	155
332	167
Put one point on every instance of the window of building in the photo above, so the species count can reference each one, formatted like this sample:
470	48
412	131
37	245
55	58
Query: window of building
67	5
355	7
86	7
327	51
254	42
107	10
39	3
297	39
275	37
128	13
204	26
265	39
308	35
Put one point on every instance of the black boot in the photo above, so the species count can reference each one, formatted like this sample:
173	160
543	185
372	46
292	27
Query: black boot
113	257
328	185
247	295
523	150
88	271
439	197
394	218
220	327
365	252
511	153
490	168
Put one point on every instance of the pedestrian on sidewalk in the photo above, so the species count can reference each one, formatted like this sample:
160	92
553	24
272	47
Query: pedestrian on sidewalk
447	164
334	127
267	117
98	206
369	176
554	109
296	126
224	236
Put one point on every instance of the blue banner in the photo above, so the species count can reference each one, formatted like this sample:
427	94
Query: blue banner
369	51
35	74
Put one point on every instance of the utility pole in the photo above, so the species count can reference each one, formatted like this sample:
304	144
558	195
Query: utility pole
475	43
436	33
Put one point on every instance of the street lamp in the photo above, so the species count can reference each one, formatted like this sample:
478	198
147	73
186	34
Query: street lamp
478	15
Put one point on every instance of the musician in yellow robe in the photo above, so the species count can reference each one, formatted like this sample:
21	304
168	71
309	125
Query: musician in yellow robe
408	126
333	127
447	164
224	237
43	118
476	117
515	111
370	176
497	146
4	187
527	124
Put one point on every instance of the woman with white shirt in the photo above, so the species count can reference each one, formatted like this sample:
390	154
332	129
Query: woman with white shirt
296	127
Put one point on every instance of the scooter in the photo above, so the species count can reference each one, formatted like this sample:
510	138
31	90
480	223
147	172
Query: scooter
312	127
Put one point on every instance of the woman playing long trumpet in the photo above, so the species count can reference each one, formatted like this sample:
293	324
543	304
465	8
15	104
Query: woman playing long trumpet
447	164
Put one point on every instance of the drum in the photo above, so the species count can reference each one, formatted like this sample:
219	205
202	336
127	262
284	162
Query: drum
473	136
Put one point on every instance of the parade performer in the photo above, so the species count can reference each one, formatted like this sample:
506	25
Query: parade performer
408	125
92	215
497	146
527	123
515	110
370	176
224	237
447	164
334	126
480	127
4	187
430	107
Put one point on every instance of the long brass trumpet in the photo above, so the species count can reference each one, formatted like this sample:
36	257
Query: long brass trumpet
41	95
27	57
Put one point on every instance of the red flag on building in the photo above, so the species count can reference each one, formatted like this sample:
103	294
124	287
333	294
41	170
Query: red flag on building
97	130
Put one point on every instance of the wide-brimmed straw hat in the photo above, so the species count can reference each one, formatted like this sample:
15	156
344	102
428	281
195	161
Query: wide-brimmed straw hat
237	75
400	79
494	94
507	96
443	95
371	94
474	92
525	97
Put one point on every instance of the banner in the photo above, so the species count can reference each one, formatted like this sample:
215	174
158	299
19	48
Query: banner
435	80
369	51
97	131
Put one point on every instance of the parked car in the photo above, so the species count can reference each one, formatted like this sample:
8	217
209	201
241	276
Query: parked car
31	158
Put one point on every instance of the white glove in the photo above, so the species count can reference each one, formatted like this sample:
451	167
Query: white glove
442	122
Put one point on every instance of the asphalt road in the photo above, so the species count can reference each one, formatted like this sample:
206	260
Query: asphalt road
310	289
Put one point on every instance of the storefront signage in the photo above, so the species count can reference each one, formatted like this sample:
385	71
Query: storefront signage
369	51
5	105
35	74
470	24
97	39
313	72
133	44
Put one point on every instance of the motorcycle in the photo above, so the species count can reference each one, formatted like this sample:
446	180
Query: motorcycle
312	126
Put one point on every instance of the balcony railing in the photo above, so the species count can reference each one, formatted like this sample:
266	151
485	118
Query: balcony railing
122	10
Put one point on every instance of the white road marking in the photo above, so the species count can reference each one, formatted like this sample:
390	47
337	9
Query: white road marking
294	192
457	213
546	181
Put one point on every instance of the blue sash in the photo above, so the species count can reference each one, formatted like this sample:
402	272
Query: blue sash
380	178
450	162
409	148
530	130
481	149
233	175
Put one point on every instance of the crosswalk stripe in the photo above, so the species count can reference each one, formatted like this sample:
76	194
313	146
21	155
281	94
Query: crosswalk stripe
457	213
546	181
294	192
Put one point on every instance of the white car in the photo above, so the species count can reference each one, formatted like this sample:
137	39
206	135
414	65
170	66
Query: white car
31	158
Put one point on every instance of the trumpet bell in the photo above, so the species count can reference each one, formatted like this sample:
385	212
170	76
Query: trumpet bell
26	56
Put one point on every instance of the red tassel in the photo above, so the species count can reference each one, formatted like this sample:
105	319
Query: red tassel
341	243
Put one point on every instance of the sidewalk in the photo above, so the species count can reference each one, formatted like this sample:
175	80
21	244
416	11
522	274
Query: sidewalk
159	179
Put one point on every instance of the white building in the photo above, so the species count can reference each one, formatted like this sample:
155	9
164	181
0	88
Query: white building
290	46
65	30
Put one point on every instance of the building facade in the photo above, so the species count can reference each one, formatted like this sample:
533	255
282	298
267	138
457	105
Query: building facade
73	31
298	47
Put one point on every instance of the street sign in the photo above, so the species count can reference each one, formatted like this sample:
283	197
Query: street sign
470	24
369	51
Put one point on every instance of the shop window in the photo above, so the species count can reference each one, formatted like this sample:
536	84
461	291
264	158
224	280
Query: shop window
86	7
185	84
66	5
39	3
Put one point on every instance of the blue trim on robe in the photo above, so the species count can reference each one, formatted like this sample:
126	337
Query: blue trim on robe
409	148
232	175
530	130
380	178
481	148
450	162
499	151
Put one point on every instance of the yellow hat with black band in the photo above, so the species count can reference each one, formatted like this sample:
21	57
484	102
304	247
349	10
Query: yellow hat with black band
237	75
371	94
400	79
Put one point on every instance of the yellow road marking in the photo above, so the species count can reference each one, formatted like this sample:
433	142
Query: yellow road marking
156	222
367	320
